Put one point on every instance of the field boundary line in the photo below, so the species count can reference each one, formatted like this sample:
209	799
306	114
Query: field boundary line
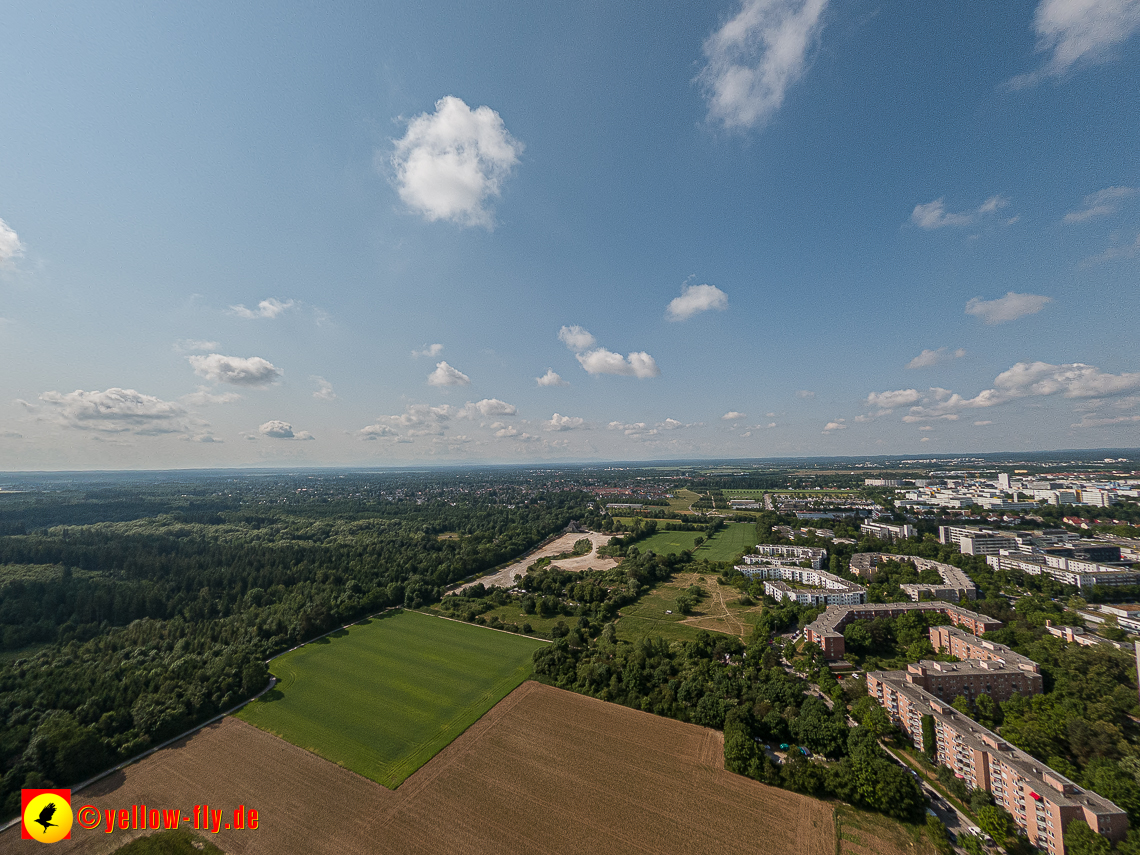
484	626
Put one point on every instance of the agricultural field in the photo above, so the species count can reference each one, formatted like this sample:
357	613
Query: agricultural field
682	499
383	697
546	771
719	612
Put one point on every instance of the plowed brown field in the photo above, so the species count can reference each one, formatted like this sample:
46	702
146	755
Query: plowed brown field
545	771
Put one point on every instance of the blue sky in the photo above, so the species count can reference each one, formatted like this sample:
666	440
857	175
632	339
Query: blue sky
283	234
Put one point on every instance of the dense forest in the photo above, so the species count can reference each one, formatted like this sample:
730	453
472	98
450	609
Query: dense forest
123	632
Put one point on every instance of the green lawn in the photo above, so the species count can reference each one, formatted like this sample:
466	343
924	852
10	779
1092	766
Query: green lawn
386	696
725	545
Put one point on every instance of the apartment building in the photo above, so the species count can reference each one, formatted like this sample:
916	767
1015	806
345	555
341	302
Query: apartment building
808	587
956	585
827	629
955	642
1069	571
888	531
976	541
973	677
1042	801
763	551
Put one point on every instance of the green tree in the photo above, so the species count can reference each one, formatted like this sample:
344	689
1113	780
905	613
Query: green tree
1082	840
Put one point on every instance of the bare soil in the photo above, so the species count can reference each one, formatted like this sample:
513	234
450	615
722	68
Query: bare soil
545	771
505	578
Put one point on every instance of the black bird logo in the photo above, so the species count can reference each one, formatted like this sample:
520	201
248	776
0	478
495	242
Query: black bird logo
45	816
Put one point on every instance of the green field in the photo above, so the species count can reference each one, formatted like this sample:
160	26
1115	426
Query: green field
725	545
385	696
649	616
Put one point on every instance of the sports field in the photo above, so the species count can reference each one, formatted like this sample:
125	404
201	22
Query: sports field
385	696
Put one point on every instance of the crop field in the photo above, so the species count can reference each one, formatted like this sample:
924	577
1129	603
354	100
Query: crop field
545	772
382	698
719	612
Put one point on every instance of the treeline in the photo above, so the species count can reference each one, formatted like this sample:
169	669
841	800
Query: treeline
154	625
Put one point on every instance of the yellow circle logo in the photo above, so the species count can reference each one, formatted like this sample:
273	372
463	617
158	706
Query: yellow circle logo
48	818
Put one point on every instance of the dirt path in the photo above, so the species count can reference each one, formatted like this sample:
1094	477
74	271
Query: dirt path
716	602
505	578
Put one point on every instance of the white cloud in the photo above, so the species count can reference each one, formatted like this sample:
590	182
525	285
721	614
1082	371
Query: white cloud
601	361
982	423
576	338
1008	308
487	407
755	56
115	411
929	358
838	424
558	422
376	431
10	246
896	398
430	350
238	370
927	427
732	416
550	378
203	396
193	345
324	390
1092	421
805	394
933	215
695	299
445	375
508	431
277	429
1102	203
637	430
1079	32
269	308
1028	380
1128	250
450	163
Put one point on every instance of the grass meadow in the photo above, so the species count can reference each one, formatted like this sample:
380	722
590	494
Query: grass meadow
726	545
385	696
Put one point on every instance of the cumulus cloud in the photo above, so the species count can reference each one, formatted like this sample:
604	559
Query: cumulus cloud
115	411
269	308
430	350
732	416
558	422
838	424
1008	308
203	396
695	299
933	215
486	408
277	429
1079	32
194	345
1075	381
324	390
896	398
576	338
445	375
929	358
601	361
550	378
982	423
451	163
1102	203
376	431
10	246
238	370
755	56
